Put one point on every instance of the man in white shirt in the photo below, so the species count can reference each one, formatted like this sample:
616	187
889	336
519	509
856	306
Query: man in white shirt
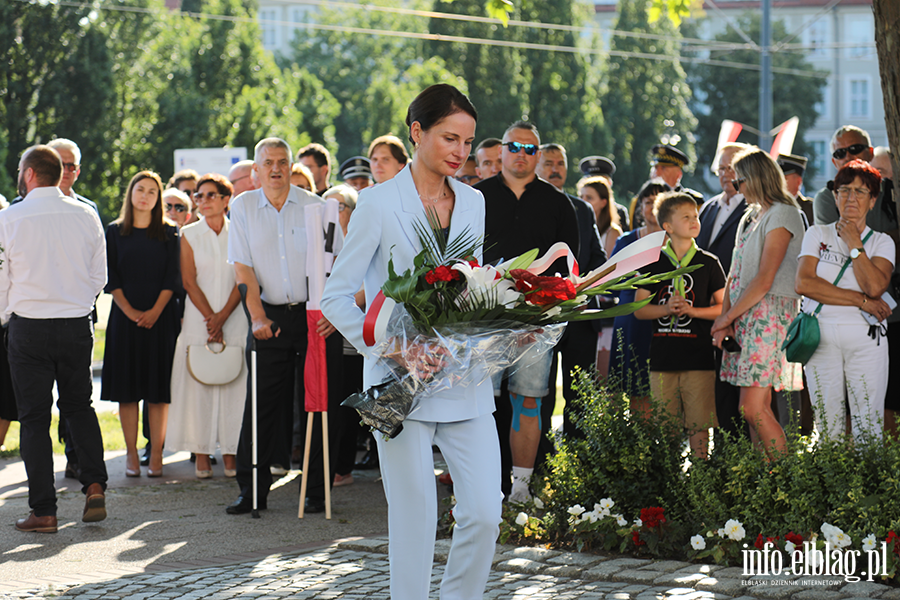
267	244
47	304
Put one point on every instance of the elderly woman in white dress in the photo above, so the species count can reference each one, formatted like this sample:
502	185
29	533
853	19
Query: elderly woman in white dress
207	417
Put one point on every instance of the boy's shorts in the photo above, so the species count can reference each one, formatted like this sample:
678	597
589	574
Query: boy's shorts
687	394
532	375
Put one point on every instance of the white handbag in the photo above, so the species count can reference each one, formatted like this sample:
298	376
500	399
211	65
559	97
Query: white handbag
215	368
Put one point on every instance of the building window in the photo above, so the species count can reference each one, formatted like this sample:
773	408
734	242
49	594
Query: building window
818	163
816	36
823	107
859	29
859	101
269	27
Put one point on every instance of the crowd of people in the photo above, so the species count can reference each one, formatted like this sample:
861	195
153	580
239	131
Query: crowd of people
707	348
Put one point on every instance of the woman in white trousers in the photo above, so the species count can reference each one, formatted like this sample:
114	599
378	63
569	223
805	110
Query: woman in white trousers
852	353
442	127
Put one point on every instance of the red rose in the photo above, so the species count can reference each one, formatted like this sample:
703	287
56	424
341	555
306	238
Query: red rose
543	290
794	538
636	538
441	273
653	516
760	541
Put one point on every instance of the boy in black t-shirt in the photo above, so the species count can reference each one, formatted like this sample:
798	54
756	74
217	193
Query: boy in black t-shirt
682	363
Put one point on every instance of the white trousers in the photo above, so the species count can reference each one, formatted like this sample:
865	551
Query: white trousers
847	358
472	452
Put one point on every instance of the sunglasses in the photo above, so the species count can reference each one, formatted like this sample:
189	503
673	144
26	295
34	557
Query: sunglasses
737	183
854	150
207	196
514	147
179	208
72	167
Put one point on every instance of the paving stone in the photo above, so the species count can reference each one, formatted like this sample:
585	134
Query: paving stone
563	571
868	589
635	576
722	585
541	554
576	559
365	544
893	594
521	565
772	592
666	566
679	578
819	594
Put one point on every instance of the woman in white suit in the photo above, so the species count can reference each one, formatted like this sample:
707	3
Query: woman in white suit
442	126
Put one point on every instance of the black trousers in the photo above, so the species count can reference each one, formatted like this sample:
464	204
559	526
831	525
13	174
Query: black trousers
42	351
348	421
279	362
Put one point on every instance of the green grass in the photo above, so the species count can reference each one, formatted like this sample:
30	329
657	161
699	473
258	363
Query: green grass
110	428
99	344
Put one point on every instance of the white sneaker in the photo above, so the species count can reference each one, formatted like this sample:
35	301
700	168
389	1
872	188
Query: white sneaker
520	493
278	470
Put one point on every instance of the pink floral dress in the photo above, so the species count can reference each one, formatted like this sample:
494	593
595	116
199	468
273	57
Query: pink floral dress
760	332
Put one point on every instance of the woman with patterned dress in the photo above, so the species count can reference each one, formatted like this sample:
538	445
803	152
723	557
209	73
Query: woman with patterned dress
760	301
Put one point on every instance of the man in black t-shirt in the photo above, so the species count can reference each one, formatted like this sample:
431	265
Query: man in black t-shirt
523	212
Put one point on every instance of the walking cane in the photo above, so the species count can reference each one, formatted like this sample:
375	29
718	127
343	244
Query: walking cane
242	288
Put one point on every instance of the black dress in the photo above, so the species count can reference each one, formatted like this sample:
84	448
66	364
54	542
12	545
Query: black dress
137	362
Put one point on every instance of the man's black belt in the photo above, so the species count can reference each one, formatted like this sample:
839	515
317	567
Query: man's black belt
293	306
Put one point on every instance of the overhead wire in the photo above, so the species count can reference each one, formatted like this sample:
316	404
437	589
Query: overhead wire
448	38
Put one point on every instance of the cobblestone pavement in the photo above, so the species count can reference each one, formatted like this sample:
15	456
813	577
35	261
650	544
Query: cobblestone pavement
358	569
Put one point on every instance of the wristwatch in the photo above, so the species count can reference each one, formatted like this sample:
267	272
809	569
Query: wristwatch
856	252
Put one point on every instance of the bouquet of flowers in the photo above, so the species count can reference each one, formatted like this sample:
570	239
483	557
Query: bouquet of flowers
450	322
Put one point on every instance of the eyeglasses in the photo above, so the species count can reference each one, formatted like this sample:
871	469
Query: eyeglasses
845	192
854	150
71	167
724	171
342	206
179	208
514	147
467	178
207	196
233	181
737	182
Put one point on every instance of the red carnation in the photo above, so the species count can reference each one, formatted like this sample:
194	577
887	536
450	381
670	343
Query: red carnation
636	538
442	273
653	516
543	290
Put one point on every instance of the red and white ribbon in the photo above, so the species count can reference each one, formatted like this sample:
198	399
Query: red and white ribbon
556	251
377	318
633	257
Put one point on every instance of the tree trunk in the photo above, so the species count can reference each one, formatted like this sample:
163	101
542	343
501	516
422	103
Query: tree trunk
887	41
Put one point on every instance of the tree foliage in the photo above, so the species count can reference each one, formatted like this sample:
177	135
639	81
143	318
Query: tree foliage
557	91
130	87
373	78
730	93
645	99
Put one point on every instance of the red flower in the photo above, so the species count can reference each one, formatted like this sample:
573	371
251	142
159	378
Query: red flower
653	516
794	538
636	538
760	541
893	537
442	273
543	290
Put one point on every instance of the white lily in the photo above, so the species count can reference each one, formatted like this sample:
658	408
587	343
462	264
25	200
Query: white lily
486	287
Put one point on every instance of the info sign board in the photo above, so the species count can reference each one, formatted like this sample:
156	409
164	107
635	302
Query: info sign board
208	160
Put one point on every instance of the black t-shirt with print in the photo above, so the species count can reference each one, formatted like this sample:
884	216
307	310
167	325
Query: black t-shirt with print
686	344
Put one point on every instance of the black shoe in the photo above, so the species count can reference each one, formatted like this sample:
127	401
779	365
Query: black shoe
369	461
145	459
314	505
243	505
73	471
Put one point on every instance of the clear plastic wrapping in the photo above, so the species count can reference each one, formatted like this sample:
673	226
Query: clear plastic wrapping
449	356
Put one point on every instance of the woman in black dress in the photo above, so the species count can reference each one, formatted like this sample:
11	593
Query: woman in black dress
143	259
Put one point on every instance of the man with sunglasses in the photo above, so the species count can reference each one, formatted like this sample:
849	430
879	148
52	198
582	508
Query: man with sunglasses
523	212
848	143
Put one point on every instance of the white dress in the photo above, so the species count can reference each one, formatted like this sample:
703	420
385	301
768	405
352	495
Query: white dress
204	417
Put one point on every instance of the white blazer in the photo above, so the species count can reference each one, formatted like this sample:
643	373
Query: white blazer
381	228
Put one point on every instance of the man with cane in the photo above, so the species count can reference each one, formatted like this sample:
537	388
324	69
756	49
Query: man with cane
268	245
